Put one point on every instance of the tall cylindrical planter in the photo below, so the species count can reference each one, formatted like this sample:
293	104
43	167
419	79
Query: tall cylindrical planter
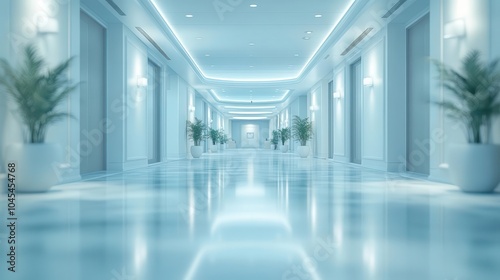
475	167
36	165
196	151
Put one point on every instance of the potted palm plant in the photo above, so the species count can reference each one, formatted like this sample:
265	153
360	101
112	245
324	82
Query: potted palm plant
37	91
196	132
276	138
222	138
473	166
214	135
285	134
302	131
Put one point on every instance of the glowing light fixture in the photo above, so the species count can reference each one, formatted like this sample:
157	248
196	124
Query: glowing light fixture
454	29
48	25
314	108
368	81
142	82
253	5
192	109
337	95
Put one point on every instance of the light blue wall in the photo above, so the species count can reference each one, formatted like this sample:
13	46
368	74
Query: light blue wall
4	50
236	130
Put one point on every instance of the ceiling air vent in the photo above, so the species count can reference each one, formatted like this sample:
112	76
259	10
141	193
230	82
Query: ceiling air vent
153	42
357	41
115	7
394	8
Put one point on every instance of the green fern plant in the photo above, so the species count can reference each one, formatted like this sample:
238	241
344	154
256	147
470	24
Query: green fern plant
475	88
214	135
196	131
222	137
285	134
37	90
302	130
276	136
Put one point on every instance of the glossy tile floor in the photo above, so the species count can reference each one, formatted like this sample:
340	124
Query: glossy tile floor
255	214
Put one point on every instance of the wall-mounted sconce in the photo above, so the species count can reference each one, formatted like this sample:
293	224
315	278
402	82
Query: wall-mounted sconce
142	82
47	26
314	108
368	81
191	108
454	29
337	95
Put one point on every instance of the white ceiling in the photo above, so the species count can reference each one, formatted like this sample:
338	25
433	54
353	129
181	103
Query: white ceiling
232	41
244	57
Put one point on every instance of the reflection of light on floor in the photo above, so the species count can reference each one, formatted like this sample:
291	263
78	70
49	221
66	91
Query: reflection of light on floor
338	235
313	213
191	209
250	191
291	249
369	258
246	218
251	172
140	253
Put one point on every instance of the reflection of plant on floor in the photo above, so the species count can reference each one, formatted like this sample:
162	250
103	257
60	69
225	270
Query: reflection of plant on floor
37	90
475	89
196	131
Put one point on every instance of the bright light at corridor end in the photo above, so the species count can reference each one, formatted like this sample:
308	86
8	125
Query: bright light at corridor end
250	107
250	113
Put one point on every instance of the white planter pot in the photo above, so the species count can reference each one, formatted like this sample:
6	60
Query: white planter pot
196	151
213	148
303	151
475	167
37	165
284	148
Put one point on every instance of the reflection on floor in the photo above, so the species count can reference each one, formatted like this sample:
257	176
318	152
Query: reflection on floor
255	214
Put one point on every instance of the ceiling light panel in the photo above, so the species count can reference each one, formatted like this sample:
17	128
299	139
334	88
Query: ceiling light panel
225	32
252	96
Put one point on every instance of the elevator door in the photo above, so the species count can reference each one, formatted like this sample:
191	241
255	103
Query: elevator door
153	103
92	95
355	141
418	76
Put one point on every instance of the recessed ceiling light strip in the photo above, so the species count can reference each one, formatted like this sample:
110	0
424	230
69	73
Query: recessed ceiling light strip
115	7
153	42
357	41
394	8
